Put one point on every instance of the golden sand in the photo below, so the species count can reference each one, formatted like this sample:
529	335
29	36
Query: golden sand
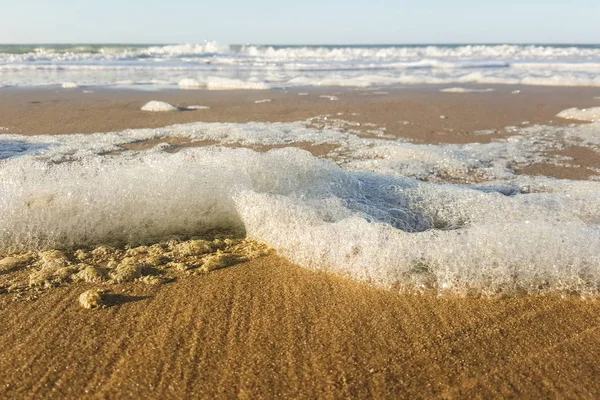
270	329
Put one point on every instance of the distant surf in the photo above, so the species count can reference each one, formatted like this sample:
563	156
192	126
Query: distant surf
214	66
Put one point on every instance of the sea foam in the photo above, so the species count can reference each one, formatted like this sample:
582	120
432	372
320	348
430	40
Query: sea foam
586	114
190	84
371	227
215	83
508	233
69	85
158	106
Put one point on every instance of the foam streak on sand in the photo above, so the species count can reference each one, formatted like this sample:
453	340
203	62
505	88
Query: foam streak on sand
511	234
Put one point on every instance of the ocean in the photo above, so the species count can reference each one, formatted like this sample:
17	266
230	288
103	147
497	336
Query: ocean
214	66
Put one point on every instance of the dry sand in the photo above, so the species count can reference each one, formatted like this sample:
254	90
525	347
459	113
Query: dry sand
267	328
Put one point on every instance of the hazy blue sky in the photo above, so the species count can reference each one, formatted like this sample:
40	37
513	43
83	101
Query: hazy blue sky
301	21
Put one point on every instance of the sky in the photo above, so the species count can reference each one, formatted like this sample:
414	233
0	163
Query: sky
300	22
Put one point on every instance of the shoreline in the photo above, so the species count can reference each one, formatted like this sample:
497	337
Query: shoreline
420	114
67	111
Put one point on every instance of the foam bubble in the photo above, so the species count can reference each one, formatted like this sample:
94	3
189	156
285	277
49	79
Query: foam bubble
262	101
158	106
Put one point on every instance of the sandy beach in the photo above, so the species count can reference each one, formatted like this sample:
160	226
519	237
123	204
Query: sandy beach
273	330
270	329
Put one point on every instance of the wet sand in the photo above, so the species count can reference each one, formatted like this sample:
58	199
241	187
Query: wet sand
409	112
412	112
270	329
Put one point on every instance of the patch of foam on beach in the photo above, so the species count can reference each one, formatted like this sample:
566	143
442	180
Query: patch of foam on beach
158	106
499	233
586	114
457	163
371	227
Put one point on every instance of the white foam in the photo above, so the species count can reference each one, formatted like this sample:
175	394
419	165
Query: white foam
262	101
214	83
586	114
159	106
260	67
197	107
465	90
515	92
190	84
390	231
330	98
476	52
69	85
509	233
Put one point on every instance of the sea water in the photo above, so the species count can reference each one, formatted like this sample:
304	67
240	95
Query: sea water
214	66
